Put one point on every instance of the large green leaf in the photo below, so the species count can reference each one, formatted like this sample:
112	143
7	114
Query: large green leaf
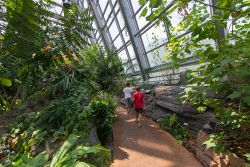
235	94
247	155
141	2
38	161
81	164
247	100
5	82
188	74
56	161
144	12
155	3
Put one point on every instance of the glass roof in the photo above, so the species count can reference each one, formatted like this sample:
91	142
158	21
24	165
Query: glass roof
140	44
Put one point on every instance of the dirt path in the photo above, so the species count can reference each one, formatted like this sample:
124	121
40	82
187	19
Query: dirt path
148	146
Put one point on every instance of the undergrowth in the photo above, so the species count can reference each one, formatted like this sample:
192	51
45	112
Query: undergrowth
171	124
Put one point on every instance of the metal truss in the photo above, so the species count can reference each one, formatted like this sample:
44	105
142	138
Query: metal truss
132	27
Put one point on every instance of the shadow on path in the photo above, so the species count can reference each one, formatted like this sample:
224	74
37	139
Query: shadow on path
148	146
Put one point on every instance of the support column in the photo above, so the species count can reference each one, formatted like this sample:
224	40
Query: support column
100	25
132	27
121	35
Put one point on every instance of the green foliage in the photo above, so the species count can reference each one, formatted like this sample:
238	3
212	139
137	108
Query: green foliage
5	81
107	68
144	12
68	155
31	41
232	119
215	142
64	157
173	125
188	74
64	116
41	60
60	118
223	62
4	104
38	161
103	111
247	155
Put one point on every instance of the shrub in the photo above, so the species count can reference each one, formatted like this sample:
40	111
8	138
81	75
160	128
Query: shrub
175	128
102	109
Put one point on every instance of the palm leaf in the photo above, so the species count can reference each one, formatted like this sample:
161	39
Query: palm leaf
63	151
38	161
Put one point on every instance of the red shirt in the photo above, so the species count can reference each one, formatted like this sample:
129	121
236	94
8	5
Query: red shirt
138	99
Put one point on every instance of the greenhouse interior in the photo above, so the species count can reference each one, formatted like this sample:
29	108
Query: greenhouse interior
124	83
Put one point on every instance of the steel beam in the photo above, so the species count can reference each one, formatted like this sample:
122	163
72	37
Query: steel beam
132	27
123	46
151	22
100	25
118	35
115	14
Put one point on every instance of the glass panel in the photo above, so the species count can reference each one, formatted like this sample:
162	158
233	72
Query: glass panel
99	39
156	57
125	35
116	7
113	30
107	13
97	34
123	56
131	51
135	4
136	65
109	21
154	37
103	4
85	4
141	20
120	19
118	42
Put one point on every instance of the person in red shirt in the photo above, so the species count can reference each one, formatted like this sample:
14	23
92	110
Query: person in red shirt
138	98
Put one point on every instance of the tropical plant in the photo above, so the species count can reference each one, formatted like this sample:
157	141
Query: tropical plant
107	69
41	58
171	123
64	116
67	156
223	60
59	119
103	112
64	157
5	105
30	40
38	161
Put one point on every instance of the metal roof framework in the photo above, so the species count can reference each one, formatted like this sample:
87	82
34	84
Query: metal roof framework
120	28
